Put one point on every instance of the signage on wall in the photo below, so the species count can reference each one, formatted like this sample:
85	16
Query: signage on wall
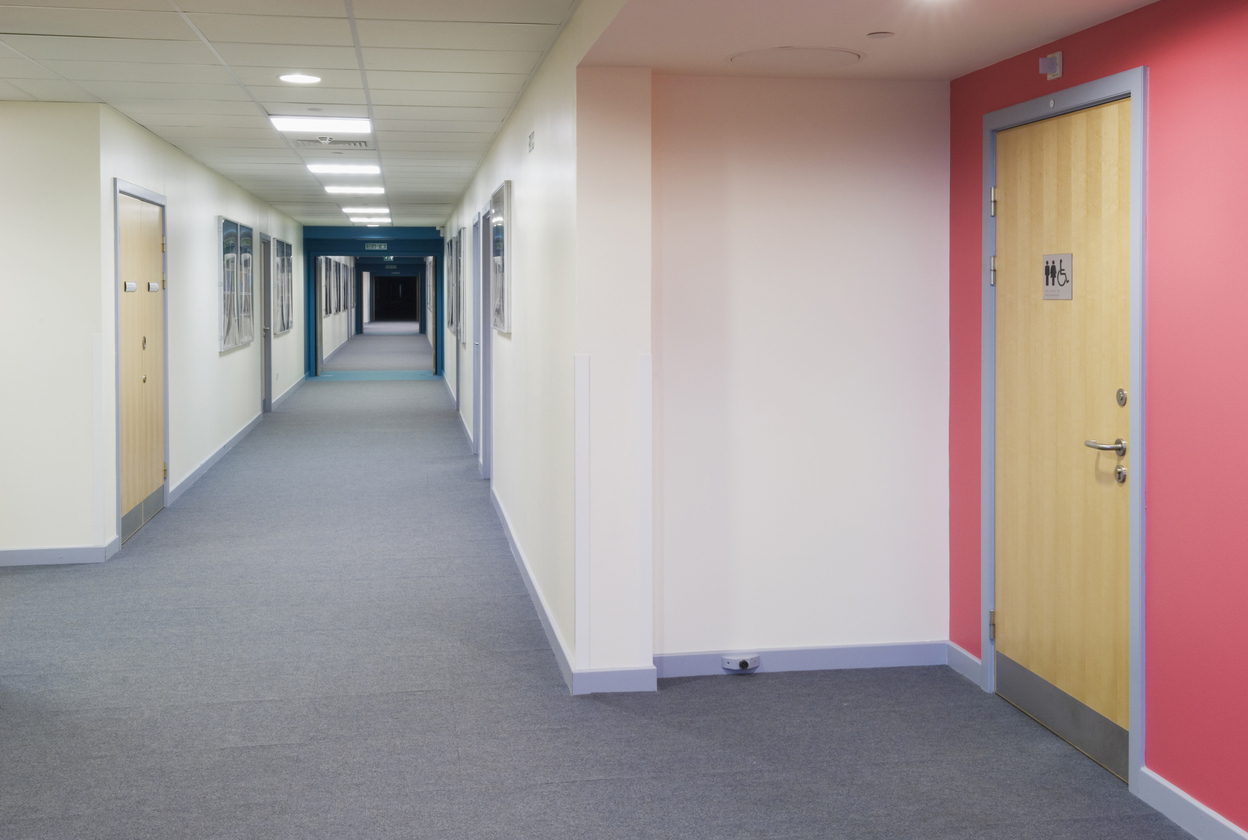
375	246
1059	276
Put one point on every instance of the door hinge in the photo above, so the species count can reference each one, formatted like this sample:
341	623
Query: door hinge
164	280
992	208
162	239
992	625
166	469
992	275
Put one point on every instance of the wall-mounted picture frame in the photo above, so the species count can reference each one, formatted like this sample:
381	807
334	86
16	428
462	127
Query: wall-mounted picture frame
459	282
284	293
430	303
236	315
327	295
448	289
501	212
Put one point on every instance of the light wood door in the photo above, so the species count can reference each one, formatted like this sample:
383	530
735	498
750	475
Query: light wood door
142	369
1063	187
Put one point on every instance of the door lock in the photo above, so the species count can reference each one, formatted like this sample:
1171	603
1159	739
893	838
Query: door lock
1122	397
1120	474
144	342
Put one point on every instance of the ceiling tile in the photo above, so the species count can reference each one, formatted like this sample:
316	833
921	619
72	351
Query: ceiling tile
469	126
379	80
267	76
182	106
451	61
94	23
109	91
310	94
255	121
20	68
113	49
265	29
134	5
292	8
444	98
126	71
411	35
505	11
53	90
426	112
288	57
10	93
303	109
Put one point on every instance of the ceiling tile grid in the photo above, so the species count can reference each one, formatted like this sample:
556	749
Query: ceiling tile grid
436	77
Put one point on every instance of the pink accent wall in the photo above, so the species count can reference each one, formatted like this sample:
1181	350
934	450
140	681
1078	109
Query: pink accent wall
1196	572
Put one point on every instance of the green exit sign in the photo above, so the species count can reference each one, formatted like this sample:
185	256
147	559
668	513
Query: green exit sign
375	246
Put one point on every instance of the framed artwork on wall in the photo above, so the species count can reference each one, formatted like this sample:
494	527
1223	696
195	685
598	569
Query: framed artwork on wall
448	294
284	276
430	267
500	255
327	295
237	325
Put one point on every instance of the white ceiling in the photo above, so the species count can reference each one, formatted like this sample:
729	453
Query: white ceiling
436	76
439	76
935	39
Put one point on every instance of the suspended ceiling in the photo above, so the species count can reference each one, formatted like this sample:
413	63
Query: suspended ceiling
438	77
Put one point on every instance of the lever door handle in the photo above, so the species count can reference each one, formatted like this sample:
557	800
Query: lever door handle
1119	446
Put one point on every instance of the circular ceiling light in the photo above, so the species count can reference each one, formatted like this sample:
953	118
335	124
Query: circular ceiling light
881	34
300	79
794	61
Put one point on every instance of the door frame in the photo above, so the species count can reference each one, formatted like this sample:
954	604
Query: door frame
1130	84
485	351
121	188
476	335
266	324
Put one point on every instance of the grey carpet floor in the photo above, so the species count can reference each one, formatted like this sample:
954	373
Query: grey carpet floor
327	638
392	328
382	352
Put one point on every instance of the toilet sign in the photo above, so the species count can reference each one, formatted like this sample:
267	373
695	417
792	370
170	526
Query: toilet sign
1059	276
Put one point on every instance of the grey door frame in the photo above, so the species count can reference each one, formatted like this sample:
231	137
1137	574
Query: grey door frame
266	323
476	336
1130	84
485	352
121	188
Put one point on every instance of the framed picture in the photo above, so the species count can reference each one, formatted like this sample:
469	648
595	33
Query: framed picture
327	292
500	253
448	294
459	282
236	315
283	276
430	303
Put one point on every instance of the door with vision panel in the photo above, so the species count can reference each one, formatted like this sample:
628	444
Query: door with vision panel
141	362
1063	447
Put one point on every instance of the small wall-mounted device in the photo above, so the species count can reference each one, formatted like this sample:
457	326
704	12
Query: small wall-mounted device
1051	65
740	663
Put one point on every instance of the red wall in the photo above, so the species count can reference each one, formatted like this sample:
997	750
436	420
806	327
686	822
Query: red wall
1196	555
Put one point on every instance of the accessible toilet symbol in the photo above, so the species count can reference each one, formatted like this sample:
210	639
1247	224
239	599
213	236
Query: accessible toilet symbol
1060	273
1059	276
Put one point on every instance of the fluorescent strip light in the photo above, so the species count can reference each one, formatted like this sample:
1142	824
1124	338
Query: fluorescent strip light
355	190
343	169
375	211
300	79
383	219
309	125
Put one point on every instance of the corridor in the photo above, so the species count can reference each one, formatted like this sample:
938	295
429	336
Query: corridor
327	637
386	345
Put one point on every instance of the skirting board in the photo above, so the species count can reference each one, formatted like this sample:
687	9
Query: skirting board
809	659
1196	819
584	681
966	664
54	556
286	394
211	461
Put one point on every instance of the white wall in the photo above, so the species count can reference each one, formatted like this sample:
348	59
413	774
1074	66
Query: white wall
58	450
52	400
801	352
367	300
336	328
533	367
212	395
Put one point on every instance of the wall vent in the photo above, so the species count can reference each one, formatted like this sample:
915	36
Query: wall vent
331	143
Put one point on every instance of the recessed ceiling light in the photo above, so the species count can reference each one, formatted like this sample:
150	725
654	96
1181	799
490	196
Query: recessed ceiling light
371	211
355	190
881	34
343	169
371	219
312	125
300	79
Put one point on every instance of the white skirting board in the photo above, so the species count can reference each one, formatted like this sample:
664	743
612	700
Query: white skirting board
59	556
966	664
1196	819
808	659
583	680
211	460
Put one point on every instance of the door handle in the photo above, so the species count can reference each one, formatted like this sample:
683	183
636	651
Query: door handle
1119	446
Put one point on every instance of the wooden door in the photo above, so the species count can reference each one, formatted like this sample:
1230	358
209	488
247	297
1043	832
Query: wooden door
142	361
1062	620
